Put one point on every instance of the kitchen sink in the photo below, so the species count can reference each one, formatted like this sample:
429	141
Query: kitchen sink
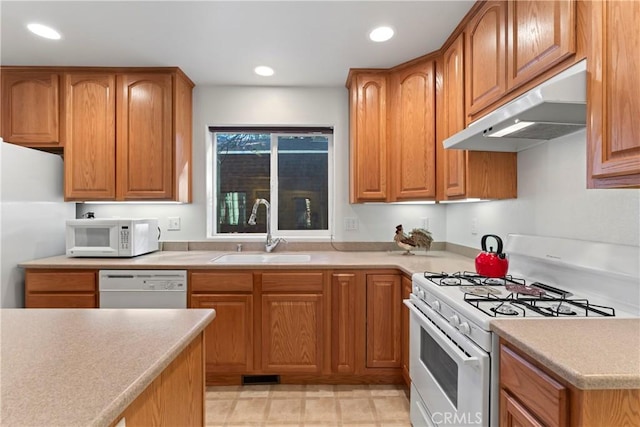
261	258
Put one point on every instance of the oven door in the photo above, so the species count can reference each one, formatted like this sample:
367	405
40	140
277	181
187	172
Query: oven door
450	373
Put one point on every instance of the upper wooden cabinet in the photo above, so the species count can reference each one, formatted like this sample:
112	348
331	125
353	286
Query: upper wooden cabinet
485	56
510	43
125	132
539	35
368	137
412	116
468	174
134	143
89	135
30	108
613	106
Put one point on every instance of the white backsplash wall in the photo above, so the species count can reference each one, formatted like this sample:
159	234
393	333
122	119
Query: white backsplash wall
552	201
292	106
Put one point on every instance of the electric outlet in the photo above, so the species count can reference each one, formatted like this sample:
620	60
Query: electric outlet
474	226
424	223
174	223
351	224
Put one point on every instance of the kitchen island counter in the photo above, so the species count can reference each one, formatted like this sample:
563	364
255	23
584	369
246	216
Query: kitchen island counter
76	367
435	261
590	353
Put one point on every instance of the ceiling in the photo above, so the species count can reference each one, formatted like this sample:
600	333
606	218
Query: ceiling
308	43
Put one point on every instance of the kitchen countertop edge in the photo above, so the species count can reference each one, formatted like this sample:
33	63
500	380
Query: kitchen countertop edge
526	336
110	414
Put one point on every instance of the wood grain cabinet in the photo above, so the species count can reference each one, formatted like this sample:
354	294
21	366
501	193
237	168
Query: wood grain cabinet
468	174
229	339
384	343
343	322
540	34
30	108
412	118
531	395
292	322
368	136
510	43
406	291
486	56
613	105
61	288
134	142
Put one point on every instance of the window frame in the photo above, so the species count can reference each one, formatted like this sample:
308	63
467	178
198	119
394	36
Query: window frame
211	167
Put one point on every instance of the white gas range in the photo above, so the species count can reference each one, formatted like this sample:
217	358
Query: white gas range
453	353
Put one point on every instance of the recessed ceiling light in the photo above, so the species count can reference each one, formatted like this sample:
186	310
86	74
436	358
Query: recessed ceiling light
263	70
44	31
381	34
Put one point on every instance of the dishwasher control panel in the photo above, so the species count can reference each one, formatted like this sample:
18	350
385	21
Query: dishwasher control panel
142	288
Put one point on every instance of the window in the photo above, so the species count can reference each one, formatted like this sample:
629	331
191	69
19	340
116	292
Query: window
289	168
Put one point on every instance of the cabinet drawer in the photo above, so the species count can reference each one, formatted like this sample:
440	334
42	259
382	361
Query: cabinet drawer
221	282
61	301
56	281
292	282
540	393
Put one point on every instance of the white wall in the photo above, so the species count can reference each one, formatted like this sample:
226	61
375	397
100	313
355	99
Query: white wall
552	201
215	105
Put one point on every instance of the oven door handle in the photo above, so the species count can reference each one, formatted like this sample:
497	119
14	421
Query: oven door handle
466	360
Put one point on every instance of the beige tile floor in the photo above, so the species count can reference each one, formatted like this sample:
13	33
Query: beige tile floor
307	405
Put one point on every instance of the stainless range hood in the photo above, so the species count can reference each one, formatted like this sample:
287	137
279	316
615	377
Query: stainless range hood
555	108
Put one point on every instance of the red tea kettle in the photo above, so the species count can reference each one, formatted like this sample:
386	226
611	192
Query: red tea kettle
492	264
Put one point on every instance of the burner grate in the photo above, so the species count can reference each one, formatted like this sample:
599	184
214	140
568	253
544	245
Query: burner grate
544	305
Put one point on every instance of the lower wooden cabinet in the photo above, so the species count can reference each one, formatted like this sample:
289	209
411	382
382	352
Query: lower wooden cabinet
60	289
229	338
531	395
306	326
343	322
383	321
406	291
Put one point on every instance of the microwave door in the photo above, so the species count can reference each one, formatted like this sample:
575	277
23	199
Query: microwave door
92	240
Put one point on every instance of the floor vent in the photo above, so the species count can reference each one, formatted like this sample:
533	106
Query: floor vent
260	379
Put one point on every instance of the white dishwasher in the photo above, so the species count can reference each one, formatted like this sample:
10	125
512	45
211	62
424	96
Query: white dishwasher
143	288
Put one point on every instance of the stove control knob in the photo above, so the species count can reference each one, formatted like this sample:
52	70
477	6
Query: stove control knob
464	328
436	305
455	320
420	294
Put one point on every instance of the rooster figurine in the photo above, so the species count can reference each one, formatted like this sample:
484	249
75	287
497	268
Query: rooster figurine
419	238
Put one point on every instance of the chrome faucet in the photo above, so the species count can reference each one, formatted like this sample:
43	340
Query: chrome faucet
271	243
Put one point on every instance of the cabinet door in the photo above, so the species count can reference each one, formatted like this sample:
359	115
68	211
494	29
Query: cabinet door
292	338
30	108
485	57
613	107
540	34
383	321
89	135
513	414
343	322
229	338
368	138
145	141
453	81
413	132
406	291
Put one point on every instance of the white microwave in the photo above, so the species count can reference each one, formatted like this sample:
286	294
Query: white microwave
118	237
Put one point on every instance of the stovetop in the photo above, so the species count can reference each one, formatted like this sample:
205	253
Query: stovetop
511	296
